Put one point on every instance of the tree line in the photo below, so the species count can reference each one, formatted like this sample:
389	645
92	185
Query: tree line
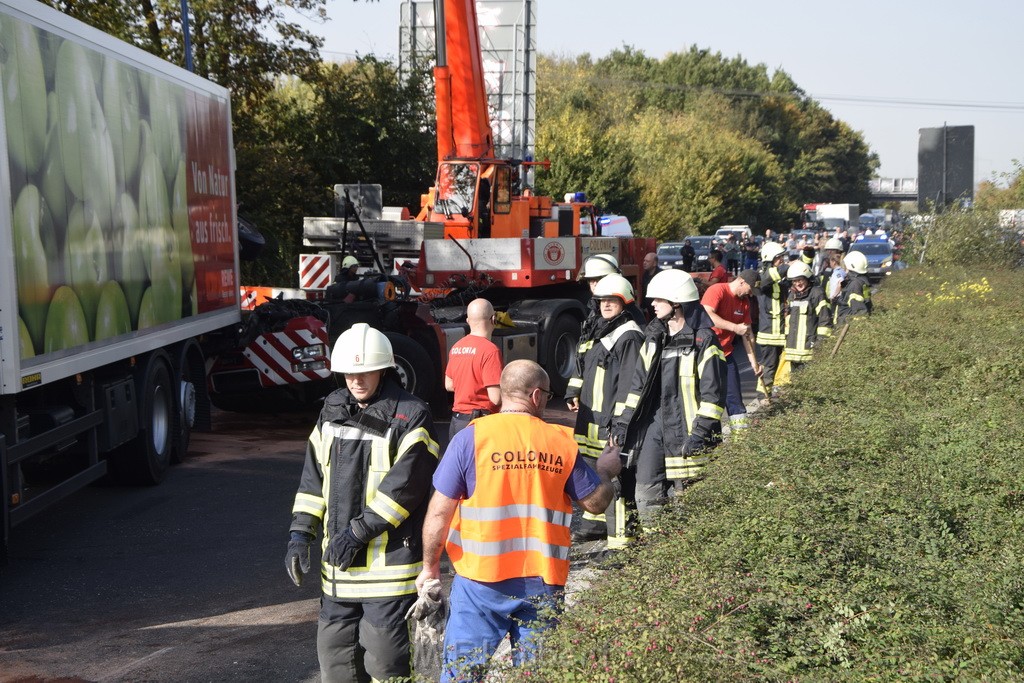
680	145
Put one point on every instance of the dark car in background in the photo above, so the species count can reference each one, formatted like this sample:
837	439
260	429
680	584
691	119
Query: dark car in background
669	253
878	253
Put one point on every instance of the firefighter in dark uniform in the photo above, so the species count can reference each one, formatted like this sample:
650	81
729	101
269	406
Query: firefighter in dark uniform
672	415
602	381
855	295
810	316
366	483
771	305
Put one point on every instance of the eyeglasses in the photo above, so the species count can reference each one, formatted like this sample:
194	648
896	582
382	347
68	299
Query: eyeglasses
547	392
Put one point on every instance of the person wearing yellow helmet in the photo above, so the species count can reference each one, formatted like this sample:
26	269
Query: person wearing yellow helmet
809	317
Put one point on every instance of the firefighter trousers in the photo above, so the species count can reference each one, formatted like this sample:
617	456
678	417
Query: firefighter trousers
768	357
357	642
652	484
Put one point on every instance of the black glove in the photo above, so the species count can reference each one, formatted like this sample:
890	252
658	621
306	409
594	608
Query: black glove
342	549
617	434
296	560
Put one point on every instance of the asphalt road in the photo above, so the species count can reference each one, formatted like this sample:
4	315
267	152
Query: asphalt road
180	582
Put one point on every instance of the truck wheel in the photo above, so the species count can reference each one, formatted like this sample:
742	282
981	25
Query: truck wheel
414	366
560	343
146	458
189	384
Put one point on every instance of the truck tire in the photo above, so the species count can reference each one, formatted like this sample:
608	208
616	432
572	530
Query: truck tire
189	392
414	366
145	459
560	342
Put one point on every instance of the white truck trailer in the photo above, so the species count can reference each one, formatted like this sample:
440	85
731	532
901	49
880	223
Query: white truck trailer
840	217
118	251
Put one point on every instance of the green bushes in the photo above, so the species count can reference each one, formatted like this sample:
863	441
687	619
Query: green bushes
964	238
870	528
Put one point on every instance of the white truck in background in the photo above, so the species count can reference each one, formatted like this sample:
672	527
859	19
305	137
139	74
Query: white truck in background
118	251
838	217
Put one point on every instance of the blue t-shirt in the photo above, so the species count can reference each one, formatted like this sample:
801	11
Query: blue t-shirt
455	476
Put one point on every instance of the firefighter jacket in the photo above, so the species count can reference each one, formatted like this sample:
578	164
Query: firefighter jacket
854	298
683	376
516	522
602	383
771	306
809	318
370	471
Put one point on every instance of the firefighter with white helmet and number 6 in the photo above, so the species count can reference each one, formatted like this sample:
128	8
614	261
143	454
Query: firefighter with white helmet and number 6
366	484
672	415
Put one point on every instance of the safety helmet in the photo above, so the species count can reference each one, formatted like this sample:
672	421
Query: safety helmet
361	348
599	265
798	269
348	262
834	243
614	286
857	262
672	285
770	250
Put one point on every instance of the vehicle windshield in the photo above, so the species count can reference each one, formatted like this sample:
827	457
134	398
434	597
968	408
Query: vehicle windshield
456	187
872	248
700	242
670	250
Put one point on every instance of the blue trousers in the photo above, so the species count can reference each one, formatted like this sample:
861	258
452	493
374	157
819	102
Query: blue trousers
734	388
482	614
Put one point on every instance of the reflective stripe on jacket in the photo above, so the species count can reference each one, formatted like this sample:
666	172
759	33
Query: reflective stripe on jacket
854	298
810	317
771	297
607	368
683	376
369	471
516	522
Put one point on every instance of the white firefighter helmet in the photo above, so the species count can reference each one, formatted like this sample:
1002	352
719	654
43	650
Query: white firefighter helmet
770	250
834	243
672	285
348	262
798	269
361	348
614	286
599	265
857	262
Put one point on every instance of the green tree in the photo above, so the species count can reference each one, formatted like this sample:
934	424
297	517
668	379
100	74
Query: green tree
993	197
240	44
695	176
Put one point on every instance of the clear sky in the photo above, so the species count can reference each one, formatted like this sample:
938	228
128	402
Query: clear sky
880	66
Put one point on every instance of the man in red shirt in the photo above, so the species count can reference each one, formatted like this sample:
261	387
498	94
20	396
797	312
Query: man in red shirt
474	369
728	304
718	271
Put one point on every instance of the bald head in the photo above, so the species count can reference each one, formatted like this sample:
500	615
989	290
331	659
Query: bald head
650	262
480	317
519	379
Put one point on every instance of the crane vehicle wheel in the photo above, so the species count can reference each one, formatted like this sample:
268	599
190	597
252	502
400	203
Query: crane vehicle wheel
146	458
560	342
414	366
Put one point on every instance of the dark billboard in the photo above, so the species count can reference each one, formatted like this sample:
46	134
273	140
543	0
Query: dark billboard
945	167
